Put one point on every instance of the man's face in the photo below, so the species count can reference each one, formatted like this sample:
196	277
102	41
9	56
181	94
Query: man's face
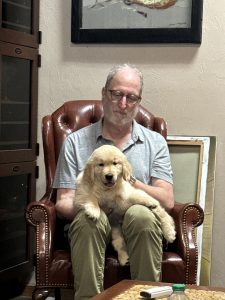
119	99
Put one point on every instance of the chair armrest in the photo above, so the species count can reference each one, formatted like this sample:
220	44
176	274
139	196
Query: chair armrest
187	218
42	215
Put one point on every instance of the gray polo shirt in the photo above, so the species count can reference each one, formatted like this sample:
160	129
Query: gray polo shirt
146	150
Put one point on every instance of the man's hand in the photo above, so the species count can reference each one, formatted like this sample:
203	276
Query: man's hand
161	190
64	203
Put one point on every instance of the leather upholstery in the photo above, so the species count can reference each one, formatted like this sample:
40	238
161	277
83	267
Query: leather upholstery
53	265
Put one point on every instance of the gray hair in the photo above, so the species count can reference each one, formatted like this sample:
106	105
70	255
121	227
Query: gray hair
120	67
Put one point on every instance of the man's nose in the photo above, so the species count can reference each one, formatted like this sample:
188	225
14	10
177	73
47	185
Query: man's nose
123	102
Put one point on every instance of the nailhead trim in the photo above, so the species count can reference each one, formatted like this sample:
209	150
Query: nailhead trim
36	224
186	243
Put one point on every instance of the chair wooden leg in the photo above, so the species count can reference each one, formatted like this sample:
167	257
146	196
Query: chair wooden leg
40	294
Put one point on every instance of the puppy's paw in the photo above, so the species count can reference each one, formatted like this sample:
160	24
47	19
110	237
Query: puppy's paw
123	258
152	206
92	212
152	203
168	228
170	234
167	224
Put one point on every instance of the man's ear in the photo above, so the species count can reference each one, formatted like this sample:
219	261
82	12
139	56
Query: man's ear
103	92
127	170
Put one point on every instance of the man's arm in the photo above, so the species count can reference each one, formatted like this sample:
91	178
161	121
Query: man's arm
160	190
64	203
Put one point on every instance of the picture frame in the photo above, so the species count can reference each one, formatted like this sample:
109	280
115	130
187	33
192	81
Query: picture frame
193	162
186	154
122	21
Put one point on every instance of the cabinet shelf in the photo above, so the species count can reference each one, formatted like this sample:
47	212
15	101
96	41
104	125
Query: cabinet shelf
12	258
14	123
15	25
6	216
22	142
9	102
17	4
12	236
13	252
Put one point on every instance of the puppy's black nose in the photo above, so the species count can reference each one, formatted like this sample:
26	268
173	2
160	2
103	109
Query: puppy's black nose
109	177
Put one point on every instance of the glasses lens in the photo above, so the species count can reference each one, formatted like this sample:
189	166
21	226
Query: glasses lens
132	99
116	95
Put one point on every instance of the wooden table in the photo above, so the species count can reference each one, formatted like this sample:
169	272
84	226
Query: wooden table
124	285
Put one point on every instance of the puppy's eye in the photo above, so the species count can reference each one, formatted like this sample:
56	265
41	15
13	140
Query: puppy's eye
115	163
101	165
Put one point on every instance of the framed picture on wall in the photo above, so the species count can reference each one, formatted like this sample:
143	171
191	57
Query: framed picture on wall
136	21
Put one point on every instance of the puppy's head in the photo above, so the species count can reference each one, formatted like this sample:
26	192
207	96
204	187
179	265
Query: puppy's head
106	167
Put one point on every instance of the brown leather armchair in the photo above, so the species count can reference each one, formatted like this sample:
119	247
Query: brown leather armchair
53	265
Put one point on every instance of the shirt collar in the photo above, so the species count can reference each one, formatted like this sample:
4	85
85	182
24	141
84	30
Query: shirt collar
136	132
98	129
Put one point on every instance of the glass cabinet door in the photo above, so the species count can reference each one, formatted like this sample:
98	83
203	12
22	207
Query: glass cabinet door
17	189
17	103
17	15
19	21
13	200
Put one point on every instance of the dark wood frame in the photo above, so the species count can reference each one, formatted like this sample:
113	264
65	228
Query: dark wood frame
137	35
13	36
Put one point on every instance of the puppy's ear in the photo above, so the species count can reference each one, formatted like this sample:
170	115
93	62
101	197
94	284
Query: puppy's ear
127	170
88	175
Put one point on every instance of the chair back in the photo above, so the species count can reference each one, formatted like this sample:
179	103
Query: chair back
73	115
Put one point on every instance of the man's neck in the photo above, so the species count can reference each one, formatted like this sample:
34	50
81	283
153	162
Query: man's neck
117	133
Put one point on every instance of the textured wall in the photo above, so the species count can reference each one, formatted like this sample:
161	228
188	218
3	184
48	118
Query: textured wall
184	84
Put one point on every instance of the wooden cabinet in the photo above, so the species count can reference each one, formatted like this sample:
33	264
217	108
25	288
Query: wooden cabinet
19	61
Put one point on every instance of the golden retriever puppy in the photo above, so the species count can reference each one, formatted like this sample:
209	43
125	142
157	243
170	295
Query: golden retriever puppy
104	184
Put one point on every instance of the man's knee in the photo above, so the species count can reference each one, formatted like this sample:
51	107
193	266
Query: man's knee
87	225
139	217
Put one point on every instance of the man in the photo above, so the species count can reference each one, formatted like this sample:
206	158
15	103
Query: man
148	154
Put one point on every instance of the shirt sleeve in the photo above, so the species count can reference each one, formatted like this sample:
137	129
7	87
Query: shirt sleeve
161	167
66	170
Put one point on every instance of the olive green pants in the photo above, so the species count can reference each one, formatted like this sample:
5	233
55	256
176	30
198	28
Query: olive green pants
89	239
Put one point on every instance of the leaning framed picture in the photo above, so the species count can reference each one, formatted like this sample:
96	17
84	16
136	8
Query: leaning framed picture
193	160
136	21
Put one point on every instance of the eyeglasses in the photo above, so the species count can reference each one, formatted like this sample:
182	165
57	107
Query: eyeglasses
132	99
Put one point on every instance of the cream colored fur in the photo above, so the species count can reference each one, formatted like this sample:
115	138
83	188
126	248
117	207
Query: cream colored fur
104	184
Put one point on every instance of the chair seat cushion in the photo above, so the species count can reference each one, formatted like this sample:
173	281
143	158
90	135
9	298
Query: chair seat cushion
60	269
173	268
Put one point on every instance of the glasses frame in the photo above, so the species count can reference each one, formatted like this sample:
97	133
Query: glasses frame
129	100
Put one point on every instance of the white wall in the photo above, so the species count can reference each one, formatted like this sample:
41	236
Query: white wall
183	83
